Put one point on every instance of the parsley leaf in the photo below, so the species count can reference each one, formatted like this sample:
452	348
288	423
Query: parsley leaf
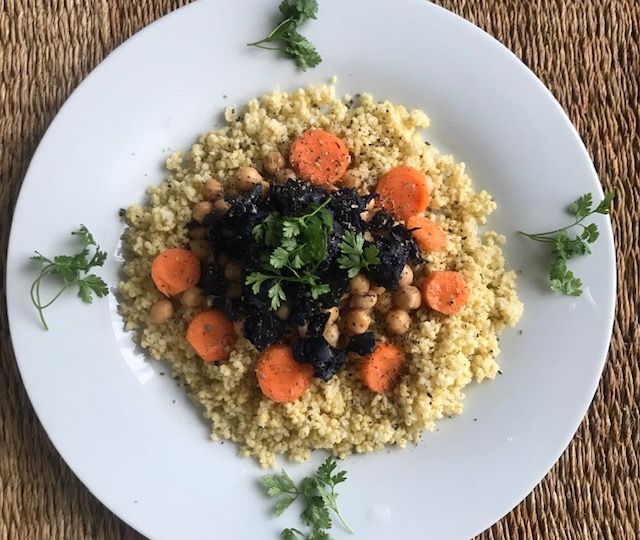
561	279
72	270
318	493
355	256
293	45
293	248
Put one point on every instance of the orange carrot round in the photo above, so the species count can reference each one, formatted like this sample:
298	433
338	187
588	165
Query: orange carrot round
380	370
403	192
211	335
319	157
445	291
175	270
427	234
280	377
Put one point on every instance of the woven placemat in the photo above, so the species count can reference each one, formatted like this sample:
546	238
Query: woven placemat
585	51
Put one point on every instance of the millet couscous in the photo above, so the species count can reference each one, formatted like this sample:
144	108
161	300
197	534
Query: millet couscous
442	353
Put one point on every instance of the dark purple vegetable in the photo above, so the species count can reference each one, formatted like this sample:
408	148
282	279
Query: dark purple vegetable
325	359
362	344
263	328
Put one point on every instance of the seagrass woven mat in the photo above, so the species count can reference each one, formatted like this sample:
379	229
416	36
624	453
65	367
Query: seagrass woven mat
585	51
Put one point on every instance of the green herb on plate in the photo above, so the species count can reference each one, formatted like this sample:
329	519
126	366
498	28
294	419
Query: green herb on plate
318	493
565	246
355	255
294	45
71	270
295	247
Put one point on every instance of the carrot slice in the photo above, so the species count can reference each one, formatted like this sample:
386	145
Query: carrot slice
211	335
175	270
380	370
403	192
280	377
427	234
319	157
445	291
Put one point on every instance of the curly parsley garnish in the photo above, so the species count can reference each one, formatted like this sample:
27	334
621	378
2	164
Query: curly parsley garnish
565	247
318	493
295	248
72	270
355	256
294	45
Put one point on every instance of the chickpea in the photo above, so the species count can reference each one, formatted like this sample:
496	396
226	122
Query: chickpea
201	209
161	311
238	326
365	301
334	313
331	334
246	178
398	321
192	297
283	312
273	161
358	321
198	233
234	290
201	248
407	297
233	271
384	303
212	190
352	178
406	276
378	289
359	284
221	206
223	259
283	175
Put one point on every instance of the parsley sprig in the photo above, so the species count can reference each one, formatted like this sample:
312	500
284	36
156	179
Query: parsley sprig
72	270
294	45
318	493
295	247
565	247
355	256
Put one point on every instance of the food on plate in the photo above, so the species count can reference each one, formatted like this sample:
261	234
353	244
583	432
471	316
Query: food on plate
314	274
71	271
561	279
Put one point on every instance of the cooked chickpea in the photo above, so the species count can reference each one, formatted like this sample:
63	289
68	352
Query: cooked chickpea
358	321
238	326
212	190
234	290
201	248
283	312
378	289
198	233
201	209
407	297
161	311
331	334
221	205
273	161
334	313
398	321
192	297
283	175
246	178
384	303
365	301
233	271
352	178
359	284
406	276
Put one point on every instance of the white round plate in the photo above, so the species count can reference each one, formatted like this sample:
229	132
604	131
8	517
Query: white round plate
132	436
